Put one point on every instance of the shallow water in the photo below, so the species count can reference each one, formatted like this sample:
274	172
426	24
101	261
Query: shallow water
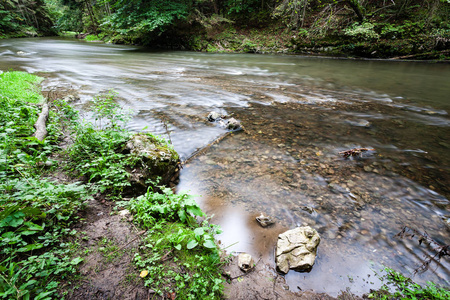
298	114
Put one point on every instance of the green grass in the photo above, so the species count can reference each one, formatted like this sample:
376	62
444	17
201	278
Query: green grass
92	38
21	86
35	213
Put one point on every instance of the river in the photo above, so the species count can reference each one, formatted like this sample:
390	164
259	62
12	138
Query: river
298	112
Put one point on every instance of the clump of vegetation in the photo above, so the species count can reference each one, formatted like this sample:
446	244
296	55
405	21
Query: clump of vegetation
177	246
21	86
397	286
96	153
35	212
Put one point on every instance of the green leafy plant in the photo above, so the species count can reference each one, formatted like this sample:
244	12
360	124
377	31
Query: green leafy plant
35	213
364	31
397	286
173	233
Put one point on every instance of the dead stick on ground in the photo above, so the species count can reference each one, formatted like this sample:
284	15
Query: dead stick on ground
165	256
135	238
40	125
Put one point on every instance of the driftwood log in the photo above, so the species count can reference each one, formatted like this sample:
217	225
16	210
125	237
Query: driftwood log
40	125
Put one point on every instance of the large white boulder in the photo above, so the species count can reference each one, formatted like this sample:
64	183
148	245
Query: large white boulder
296	249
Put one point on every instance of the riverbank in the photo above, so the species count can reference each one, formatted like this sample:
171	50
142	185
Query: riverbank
275	39
61	223
100	235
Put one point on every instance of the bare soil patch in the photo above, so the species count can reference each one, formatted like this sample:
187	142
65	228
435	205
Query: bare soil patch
107	271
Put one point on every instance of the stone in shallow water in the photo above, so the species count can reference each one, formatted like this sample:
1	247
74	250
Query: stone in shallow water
213	116
296	249
233	124
265	221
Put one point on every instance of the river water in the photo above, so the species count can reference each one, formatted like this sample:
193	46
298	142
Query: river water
298	113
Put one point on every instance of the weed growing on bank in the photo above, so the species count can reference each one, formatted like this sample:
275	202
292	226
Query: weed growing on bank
397	286
21	86
179	256
35	212
97	149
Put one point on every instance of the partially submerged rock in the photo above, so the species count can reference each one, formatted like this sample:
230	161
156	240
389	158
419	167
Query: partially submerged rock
245	262
233	124
154	160
71	98
296	249
265	221
223	121
214	116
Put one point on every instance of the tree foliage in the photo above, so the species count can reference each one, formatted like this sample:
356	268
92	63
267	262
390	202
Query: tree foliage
24	17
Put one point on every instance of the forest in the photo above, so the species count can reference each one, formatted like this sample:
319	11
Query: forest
367	28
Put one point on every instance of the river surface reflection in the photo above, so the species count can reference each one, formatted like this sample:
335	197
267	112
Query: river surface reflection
298	114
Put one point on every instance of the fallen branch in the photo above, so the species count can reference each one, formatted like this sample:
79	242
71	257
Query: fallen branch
40	125
166	256
441	250
421	54
134	239
202	150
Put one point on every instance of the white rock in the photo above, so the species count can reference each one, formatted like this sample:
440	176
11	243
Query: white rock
296	249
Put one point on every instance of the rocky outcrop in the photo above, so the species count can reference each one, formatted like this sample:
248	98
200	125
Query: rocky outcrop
296	249
153	160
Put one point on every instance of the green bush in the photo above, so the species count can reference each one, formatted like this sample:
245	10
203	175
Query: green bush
172	228
364	31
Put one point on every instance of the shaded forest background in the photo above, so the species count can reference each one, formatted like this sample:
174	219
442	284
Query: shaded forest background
381	28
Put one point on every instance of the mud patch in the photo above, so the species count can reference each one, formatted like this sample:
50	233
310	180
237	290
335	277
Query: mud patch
107	271
264	283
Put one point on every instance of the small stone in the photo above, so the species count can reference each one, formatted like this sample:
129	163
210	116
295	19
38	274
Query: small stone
245	262
367	169
233	124
213	116
124	212
265	221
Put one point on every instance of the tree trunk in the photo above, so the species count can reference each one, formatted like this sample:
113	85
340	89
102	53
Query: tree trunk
354	4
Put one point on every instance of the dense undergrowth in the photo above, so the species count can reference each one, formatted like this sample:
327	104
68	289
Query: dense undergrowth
35	212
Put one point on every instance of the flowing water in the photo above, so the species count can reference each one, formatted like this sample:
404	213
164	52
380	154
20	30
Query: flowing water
298	113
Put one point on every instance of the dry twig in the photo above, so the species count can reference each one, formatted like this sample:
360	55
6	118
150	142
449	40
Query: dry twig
441	250
355	152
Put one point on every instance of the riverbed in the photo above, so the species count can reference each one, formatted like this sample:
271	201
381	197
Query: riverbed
298	114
